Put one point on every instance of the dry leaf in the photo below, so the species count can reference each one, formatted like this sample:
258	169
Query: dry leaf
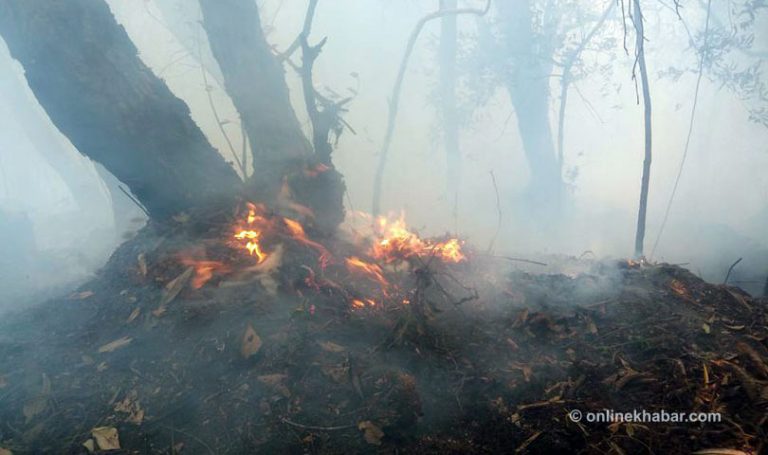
271	379
275	381
134	314
130	405
3	382
251	342
5	451
330	346
81	295
372	433
106	438
117	344
90	446
142	260
174	287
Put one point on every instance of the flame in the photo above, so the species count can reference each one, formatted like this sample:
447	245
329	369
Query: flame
298	234
254	219
373	271
395	242
204	270
362	303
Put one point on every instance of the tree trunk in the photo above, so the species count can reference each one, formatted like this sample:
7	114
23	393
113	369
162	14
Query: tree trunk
640	50
86	73
255	81
449	112
527	83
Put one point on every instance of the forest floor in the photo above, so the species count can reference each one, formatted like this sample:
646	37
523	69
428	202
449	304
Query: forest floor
168	351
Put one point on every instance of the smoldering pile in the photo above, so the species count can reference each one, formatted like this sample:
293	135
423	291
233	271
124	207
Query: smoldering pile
253	334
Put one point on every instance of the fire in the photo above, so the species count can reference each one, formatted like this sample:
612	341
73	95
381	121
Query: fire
373	271
253	244
204	270
252	236
362	303
298	234
395	242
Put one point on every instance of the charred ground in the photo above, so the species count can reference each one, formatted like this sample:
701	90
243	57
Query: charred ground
290	356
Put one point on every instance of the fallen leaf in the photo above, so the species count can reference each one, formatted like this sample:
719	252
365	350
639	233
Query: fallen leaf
330	346
117	344
81	295
106	438
134	314
5	451
272	379
251	342
181	218
706	328
130	405
174	287
90	446
3	382
142	261
372	433
275	381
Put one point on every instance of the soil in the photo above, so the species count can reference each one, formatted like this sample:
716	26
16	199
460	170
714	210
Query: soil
449	358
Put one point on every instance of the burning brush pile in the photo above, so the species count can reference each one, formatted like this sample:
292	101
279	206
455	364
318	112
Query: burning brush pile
255	334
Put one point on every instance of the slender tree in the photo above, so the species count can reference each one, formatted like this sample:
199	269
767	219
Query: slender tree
637	20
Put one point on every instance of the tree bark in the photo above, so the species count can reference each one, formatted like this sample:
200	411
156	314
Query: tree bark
637	19
255	81
527	83
86	73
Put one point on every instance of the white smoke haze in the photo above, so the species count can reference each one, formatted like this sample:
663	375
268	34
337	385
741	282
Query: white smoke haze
51	237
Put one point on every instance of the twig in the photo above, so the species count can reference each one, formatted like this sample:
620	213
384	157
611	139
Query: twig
315	427
730	269
135	201
514	259
498	213
395	98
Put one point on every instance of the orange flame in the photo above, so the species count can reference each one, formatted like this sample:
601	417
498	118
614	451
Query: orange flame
204	270
373	271
362	303
253	236
395	242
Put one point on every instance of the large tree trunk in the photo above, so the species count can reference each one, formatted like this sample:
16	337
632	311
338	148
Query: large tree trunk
527	83
86	73
255	81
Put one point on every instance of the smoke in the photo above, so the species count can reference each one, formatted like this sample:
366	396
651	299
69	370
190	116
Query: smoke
52	236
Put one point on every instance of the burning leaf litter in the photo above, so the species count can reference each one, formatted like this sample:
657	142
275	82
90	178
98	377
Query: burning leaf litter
377	338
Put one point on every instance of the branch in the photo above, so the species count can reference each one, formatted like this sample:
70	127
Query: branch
395	98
